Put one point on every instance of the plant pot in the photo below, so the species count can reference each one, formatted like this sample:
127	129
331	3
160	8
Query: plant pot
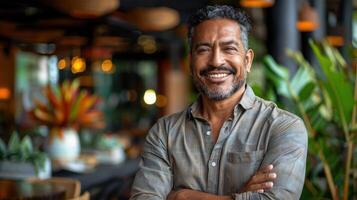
16	170
66	148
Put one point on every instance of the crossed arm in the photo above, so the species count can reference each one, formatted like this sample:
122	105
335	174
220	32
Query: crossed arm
261	181
286	152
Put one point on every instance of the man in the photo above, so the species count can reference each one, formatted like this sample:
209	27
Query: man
229	144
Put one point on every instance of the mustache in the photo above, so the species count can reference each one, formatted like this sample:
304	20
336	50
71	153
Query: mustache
210	68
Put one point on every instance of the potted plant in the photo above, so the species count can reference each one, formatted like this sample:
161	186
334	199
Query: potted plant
327	102
68	109
19	160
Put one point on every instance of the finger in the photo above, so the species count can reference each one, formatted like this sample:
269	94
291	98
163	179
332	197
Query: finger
260	186
261	178
260	191
266	169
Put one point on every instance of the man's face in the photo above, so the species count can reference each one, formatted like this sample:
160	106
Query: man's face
219	62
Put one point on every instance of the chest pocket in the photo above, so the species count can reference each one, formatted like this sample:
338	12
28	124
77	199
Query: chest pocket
240	167
245	157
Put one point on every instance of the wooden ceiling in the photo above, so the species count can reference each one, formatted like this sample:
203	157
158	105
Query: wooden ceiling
39	21
29	22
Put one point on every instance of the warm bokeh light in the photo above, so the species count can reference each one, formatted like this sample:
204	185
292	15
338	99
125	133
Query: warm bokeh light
150	96
107	66
78	65
257	3
148	44
306	26
4	93
62	64
308	18
161	101
335	40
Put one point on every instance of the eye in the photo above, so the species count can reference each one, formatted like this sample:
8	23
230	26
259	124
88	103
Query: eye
230	49
202	50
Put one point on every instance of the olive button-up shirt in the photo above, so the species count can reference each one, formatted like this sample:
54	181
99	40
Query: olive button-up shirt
179	152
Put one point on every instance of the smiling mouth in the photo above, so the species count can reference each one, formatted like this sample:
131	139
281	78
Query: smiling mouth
217	75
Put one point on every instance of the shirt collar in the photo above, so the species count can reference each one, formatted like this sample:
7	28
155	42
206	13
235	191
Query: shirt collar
246	102
193	108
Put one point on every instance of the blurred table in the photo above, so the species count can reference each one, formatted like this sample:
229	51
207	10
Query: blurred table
107	177
12	189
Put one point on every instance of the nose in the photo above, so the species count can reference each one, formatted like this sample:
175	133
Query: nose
216	58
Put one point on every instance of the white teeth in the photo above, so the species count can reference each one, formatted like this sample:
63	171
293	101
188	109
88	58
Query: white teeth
217	75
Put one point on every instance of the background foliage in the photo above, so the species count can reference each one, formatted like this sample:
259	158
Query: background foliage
324	97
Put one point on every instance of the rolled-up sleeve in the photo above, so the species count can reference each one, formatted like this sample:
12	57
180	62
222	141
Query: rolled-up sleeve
154	178
287	151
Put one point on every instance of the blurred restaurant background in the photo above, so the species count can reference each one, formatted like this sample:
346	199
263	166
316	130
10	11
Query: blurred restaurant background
108	69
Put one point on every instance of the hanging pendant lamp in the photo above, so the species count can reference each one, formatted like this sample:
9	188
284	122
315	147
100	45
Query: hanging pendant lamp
308	19
85	8
257	3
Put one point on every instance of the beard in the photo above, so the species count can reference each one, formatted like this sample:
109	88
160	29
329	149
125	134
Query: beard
217	93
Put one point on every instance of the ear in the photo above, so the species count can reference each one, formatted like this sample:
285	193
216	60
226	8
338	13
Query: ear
190	63
249	56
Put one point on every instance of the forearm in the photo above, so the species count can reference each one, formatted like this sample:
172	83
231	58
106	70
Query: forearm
187	194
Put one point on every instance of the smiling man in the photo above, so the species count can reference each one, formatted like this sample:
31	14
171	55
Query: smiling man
229	144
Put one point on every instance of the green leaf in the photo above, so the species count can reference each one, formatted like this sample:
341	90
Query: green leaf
2	149
307	91
38	159
323	60
270	95
301	78
278	70
313	147
74	110
14	143
75	84
341	95
26	146
280	84
57	92
339	89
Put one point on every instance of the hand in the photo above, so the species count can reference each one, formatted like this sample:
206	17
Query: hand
261	181
187	194
173	195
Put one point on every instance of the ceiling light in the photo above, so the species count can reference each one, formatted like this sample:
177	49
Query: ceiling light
335	36
154	19
150	96
257	3
85	8
78	65
4	93
308	19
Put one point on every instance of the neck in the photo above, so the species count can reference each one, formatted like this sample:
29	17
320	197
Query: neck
220	110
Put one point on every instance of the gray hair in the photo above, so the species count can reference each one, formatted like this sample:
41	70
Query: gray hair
220	12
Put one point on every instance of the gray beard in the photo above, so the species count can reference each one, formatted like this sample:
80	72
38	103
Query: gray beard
218	94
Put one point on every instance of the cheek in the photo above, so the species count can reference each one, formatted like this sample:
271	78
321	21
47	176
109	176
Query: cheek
196	67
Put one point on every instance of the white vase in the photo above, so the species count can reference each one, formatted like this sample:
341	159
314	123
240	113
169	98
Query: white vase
66	148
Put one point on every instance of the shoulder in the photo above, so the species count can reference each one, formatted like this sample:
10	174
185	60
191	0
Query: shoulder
281	121
171	121
276	114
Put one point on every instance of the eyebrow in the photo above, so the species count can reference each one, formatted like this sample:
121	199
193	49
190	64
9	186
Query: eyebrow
224	43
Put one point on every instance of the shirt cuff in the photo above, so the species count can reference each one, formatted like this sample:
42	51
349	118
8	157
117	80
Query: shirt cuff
242	196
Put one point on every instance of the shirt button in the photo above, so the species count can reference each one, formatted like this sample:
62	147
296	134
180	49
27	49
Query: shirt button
208	133
213	164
